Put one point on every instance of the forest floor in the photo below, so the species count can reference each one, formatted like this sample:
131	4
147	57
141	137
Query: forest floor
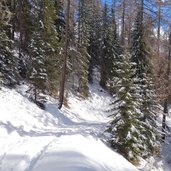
70	139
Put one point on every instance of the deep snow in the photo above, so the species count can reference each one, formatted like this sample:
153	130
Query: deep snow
68	140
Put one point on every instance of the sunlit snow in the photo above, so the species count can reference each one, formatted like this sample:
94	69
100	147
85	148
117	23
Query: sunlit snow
68	140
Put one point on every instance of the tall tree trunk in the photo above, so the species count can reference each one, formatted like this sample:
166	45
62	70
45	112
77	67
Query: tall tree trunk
21	30
13	19
123	23
165	107
61	95
142	11
165	111
158	29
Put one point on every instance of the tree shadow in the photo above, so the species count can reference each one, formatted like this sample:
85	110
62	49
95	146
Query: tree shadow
53	109
65	161
11	162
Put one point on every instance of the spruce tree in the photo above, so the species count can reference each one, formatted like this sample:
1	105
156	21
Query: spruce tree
59	19
94	41
115	51
38	72
47	43
83	43
125	126
53	21
22	23
148	105
138	49
43	49
104	46
8	61
110	48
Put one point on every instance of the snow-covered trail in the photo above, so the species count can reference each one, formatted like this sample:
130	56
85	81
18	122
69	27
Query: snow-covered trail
68	140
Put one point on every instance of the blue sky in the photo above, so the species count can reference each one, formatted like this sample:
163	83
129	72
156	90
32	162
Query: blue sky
107	1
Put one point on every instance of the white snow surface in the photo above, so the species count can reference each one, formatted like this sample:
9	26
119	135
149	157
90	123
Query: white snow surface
67	140
162	162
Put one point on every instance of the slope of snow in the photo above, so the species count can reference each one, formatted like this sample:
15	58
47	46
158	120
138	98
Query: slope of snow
68	140
163	161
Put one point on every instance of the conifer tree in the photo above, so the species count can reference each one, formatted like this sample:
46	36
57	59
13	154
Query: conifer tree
149	108
8	61
22	24
42	49
138	49
59	19
38	72
83	42
116	49
125	126
110	47
52	19
104	46
148	105
47	43
94	41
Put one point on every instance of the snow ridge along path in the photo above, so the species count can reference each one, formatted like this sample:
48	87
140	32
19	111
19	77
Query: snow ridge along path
68	140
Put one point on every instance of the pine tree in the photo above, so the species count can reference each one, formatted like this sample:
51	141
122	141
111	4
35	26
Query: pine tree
94	41
22	24
83	43
38	72
59	19
110	48
138	49
42	49
116	49
53	33
148	105
125	126
104	46
8	61
47	42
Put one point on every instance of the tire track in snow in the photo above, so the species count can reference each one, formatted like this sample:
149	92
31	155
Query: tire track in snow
38	156
8	152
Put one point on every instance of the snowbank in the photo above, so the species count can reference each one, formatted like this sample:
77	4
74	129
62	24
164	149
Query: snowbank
35	140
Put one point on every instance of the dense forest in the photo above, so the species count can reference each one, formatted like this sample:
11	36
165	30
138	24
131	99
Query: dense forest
56	46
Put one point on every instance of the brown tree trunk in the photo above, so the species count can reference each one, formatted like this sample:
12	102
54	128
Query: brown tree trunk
123	24
165	107
165	111
21	29
158	29
61	95
13	21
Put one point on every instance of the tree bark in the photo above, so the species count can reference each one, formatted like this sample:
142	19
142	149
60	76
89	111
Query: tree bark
20	29
165	111
123	24
61	95
158	29
165	107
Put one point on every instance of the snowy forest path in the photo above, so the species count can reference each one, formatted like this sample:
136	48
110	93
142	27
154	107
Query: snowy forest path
30	136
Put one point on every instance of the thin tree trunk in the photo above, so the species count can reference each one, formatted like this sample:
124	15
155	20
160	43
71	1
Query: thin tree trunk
123	24
79	23
35	94
158	29
13	20
21	30
142	11
61	95
165	111
165	107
